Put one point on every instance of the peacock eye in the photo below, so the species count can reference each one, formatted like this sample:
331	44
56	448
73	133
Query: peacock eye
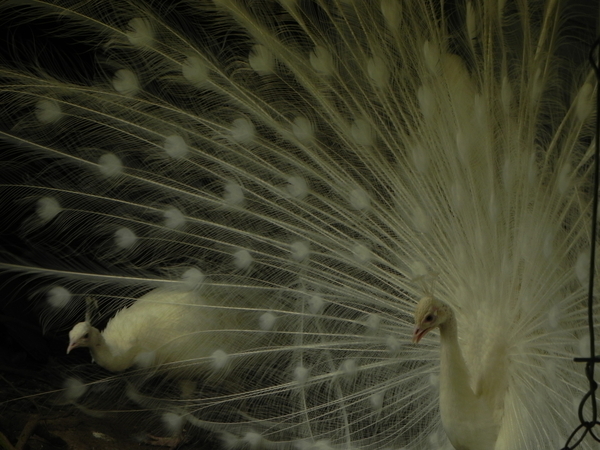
86	335
429	318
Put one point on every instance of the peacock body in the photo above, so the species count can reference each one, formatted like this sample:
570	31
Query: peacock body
285	180
173	327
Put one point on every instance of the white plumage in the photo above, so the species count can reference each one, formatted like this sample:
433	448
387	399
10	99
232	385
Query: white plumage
165	327
471	405
255	192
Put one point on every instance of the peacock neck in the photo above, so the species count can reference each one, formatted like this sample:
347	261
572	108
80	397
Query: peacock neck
449	330
468	420
453	369
106	357
456	395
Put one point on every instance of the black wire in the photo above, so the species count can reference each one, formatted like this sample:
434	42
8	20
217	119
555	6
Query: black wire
586	426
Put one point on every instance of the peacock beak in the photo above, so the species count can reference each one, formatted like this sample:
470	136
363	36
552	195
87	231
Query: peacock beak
419	333
72	345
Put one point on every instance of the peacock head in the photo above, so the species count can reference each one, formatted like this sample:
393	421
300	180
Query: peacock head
80	336
429	314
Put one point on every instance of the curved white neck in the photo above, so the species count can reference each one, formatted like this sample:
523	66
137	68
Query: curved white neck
454	374
467	419
105	357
